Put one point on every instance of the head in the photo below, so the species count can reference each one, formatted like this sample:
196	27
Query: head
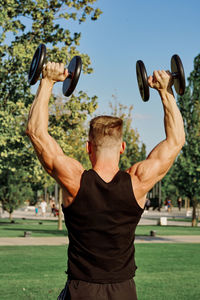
105	135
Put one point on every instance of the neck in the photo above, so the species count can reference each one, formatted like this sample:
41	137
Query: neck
106	162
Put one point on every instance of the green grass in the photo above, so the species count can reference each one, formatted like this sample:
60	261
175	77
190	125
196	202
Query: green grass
32	272
168	271
167	230
187	220
165	271
38	228
49	228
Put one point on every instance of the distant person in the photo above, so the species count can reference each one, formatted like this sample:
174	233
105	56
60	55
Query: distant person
55	211
52	205
147	204
36	209
102	206
43	206
165	205
179	203
169	205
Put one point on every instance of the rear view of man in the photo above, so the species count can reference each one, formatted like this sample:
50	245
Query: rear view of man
103	206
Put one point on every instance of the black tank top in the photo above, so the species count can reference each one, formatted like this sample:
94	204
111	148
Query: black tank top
101	225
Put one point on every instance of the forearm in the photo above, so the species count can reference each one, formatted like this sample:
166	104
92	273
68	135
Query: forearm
173	121
38	116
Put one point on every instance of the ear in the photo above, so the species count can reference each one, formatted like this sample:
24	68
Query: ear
88	147
123	147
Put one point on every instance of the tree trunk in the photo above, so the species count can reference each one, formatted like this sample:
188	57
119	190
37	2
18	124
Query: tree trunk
194	215
10	216
35	197
60	211
56	193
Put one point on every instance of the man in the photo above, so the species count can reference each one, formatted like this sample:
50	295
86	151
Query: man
43	206
102	206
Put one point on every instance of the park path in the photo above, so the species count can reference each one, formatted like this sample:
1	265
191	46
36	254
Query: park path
55	241
148	218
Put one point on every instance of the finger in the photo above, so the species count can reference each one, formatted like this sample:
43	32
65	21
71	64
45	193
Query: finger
63	75
160	72
57	66
48	65
168	72
150	81
53	65
66	73
170	76
156	76
163	74
62	69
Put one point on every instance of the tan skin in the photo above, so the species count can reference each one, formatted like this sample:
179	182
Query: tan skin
67	171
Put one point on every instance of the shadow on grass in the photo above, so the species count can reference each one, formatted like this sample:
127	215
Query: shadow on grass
167	226
39	232
27	221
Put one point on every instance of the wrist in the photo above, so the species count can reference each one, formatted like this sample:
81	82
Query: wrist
48	83
166	92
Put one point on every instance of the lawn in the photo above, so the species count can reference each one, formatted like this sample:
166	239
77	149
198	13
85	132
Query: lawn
165	271
188	220
32	272
168	271
38	228
167	230
42	228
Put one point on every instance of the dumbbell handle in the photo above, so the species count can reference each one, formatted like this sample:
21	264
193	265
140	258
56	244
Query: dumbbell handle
70	74
175	74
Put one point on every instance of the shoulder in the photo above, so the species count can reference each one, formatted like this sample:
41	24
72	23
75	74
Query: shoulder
138	183
68	172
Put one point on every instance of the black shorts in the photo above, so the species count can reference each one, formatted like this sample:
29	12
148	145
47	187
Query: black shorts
82	290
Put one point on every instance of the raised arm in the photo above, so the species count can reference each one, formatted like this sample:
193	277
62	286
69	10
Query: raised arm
146	173
65	170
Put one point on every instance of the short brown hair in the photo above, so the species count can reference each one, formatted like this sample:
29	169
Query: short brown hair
105	131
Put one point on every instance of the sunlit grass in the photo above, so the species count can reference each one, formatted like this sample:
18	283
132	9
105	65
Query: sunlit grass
165	271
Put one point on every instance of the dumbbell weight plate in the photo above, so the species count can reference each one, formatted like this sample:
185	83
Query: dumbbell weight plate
142	80
179	79
37	64
74	70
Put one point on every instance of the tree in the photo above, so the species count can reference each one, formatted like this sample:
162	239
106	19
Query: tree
15	190
67	123
23	26
135	151
169	187
14	157
187	168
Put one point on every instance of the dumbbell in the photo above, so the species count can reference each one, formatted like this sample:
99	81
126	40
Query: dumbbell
38	63
177	73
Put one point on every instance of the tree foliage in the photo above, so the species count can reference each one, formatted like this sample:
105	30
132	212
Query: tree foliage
68	125
169	187
189	105
186	171
15	190
23	26
135	150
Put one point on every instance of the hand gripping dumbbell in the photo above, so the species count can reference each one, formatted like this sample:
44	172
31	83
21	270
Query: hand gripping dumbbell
177	73
38	63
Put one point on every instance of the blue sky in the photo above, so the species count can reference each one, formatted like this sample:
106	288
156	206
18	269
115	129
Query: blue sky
130	30
150	30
